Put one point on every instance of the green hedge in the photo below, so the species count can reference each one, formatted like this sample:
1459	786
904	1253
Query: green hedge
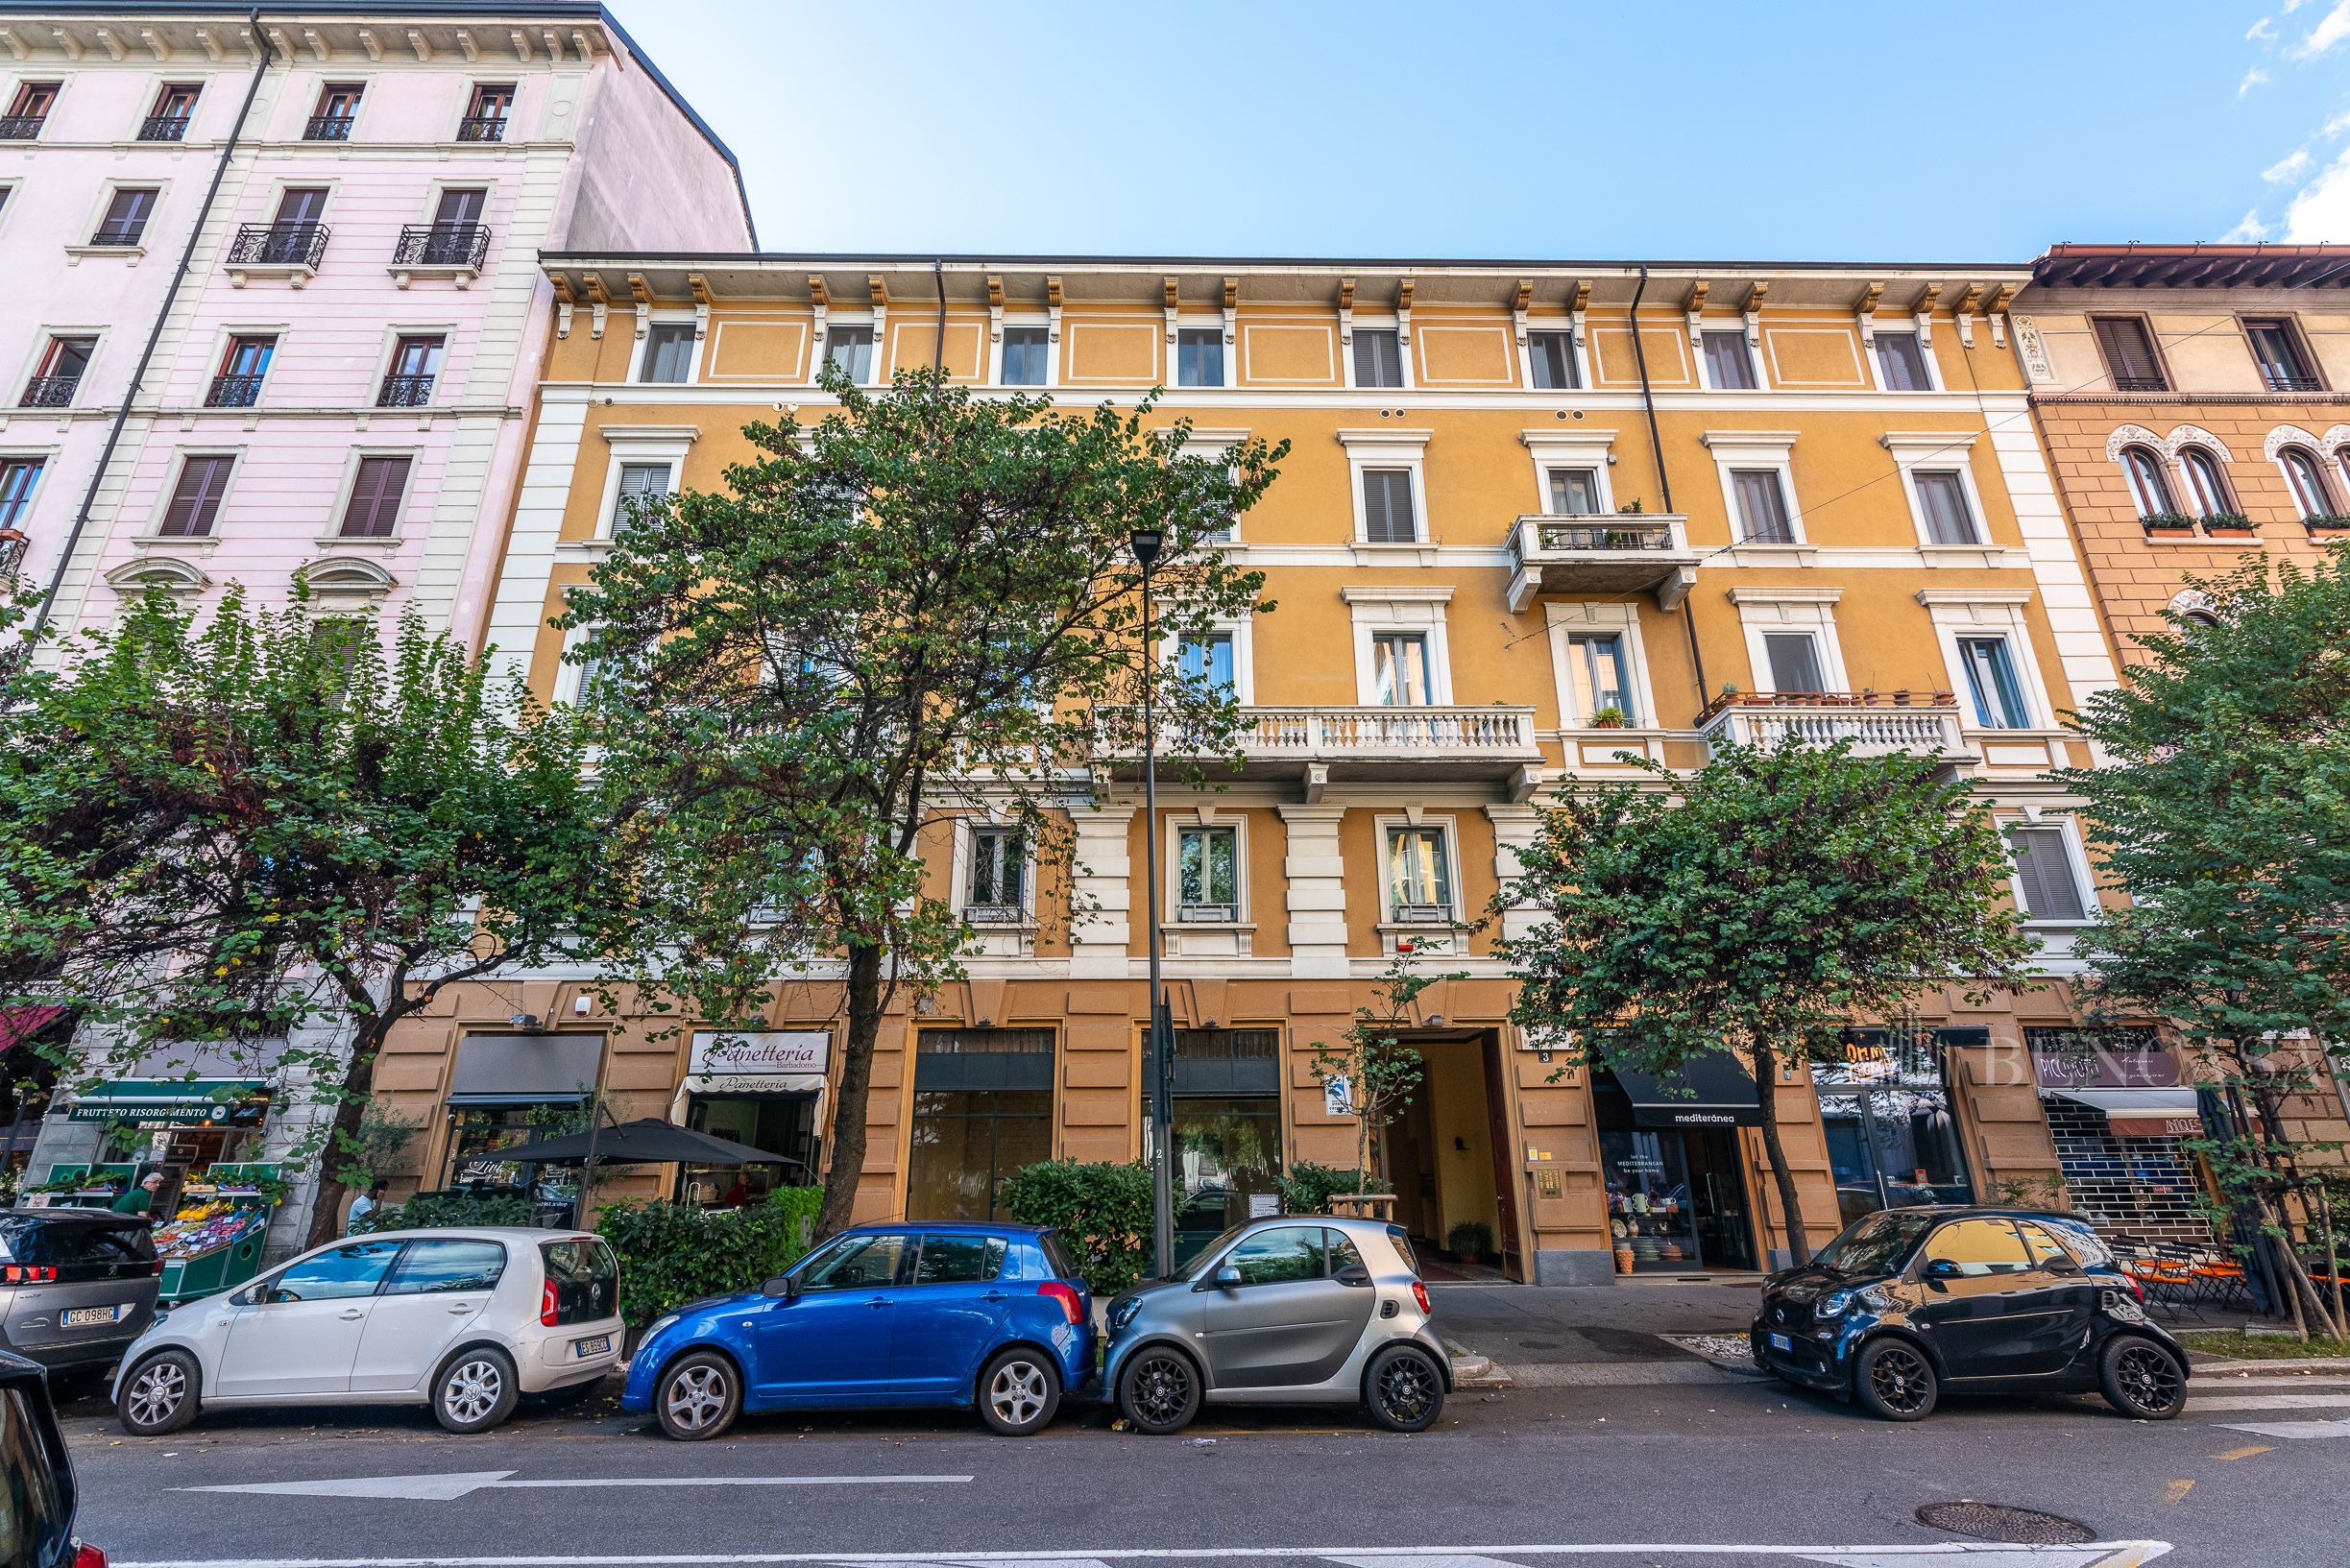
672	1253
1307	1188
439	1211
1102	1213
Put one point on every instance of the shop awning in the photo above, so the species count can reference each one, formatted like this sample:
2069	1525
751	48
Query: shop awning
2142	1113
505	1069
773	1062
1711	1091
197	1101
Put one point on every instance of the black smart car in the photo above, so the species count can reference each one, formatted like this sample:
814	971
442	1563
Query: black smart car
1910	1301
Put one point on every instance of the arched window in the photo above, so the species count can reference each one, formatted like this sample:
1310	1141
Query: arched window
2147	486
2307	478
2206	486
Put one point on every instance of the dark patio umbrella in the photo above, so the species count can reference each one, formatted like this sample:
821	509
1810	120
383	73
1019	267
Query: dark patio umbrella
647	1142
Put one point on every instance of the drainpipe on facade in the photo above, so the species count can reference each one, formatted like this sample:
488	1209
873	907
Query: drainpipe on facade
155	336
1664	482
938	349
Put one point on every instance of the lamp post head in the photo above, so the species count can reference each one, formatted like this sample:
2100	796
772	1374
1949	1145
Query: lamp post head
1147	543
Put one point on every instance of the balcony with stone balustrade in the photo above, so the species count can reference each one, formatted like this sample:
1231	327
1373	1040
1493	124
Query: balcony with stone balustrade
1318	746
1875	723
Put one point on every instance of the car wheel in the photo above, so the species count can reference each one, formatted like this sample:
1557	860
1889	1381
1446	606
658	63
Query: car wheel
1018	1392
699	1396
1404	1388
1159	1392
1895	1380
2142	1379
160	1396
476	1390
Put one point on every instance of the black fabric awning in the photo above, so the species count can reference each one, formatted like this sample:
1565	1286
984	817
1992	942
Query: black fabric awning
1711	1091
650	1141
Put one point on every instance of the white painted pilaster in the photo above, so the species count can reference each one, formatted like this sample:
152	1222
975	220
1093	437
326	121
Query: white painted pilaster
1514	828
1317	876
1104	888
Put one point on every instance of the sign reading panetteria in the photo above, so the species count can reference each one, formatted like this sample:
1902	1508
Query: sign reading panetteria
727	1062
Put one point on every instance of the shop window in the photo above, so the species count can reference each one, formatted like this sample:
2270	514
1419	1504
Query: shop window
1892	1140
1207	874
1901	363
773	1123
1027	356
1419	875
1552	355
1378	358
1227	1131
982	1109
1728	366
1200	357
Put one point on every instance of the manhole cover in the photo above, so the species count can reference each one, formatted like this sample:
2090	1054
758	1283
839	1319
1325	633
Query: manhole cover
1994	1522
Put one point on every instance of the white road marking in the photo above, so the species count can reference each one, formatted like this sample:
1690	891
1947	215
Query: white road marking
448	1487
2290	1429
2267	1402
1974	1553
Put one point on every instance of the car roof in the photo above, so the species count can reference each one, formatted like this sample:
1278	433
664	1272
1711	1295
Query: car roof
77	1217
473	1233
1984	1211
945	1227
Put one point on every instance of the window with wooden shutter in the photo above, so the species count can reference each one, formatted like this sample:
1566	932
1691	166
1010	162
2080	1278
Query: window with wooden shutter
2129	355
1387	507
374	512
2044	869
195	500
640	485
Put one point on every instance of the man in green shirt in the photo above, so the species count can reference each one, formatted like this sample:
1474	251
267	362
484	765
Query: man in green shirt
140	1200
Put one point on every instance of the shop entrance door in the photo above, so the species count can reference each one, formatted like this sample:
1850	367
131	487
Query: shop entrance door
1718	1198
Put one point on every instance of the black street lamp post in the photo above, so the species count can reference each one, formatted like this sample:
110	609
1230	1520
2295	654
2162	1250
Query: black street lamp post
1147	543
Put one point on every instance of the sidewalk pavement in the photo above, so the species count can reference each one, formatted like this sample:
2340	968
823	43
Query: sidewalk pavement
1550	1336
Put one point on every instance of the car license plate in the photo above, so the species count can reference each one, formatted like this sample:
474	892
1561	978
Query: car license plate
1780	1341
82	1317
592	1348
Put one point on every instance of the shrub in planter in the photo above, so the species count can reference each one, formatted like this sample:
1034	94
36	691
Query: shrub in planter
1469	1241
440	1211
1307	1188
1102	1213
672	1253
1609	718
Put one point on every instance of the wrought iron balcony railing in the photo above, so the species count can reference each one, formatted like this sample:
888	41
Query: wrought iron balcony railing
1625	552
2282	381
22	127
279	245
482	127
13	543
49	391
233	391
328	128
164	128
464	244
2140	383
404	392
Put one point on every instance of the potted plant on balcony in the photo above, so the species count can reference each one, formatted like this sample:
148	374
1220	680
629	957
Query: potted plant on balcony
1609	717
1470	1240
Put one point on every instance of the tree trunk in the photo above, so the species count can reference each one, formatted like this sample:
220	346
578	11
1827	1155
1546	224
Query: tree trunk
358	1084
1766	1074
848	1157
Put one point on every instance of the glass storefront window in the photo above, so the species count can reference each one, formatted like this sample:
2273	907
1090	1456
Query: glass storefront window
982	1109
1227	1128
1648	1198
784	1125
1892	1148
476	1137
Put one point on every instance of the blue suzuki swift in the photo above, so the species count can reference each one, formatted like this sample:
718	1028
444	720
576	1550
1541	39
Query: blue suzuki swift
960	1315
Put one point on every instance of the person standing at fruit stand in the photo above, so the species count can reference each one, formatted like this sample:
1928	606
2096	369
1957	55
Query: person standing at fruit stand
140	1200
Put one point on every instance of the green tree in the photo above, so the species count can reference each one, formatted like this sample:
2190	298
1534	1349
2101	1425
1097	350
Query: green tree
2223	810
270	826
922	605
1755	906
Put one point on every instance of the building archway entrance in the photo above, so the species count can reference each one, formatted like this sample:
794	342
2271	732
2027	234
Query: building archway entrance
1448	1155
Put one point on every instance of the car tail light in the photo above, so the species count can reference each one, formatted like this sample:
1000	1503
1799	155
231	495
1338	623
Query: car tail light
1067	1297
158	1265
1420	1294
87	1556
16	1273
548	1310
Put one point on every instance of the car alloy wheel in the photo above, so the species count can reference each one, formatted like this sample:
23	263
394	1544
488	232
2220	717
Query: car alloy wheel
696	1396
1159	1392
159	1396
1016	1393
1405	1389
2145	1379
473	1390
1899	1382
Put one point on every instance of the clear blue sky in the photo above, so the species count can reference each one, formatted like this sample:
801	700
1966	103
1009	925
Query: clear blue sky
1784	130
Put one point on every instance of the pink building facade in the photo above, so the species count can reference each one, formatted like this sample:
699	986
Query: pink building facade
340	381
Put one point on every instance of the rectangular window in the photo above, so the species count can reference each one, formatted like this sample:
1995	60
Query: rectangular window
1378	358
486	116
338	106
1418	877
299	207
1200	357
1728	366
2044	868
416	364
242	367
1207	874
2129	355
2285	364
62	366
17	477
1900	362
1553	357
1387	507
851	348
640	485
127	212
1596	666
373	510
1226	1124
1399	669
167	120
1762	506
1574	492
982	1109
195	500
1942	497
1027	356
1207	662
1991	681
28	109
998	859
668	352
1795	661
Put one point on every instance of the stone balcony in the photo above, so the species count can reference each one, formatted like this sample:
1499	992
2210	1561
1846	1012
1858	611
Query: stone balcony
1318	745
1875	723
1628	552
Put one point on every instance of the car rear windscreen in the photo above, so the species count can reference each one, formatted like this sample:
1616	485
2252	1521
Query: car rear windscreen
78	1249
1063	1268
585	1279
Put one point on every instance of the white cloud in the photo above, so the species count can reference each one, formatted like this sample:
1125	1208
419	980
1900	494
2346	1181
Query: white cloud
2331	29
2335	126
2291	6
2320	212
2263	31
2287	167
2254	76
2249	232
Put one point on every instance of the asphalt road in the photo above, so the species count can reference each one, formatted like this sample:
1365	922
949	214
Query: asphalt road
1733	1472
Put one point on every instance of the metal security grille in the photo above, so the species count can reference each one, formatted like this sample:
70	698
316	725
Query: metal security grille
2143	1188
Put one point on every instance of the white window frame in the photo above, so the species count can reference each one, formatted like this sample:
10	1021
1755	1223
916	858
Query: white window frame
37	350
1577	356
967	828
1593	616
2329	482
1811	610
1736	449
329	538
633	444
1938	451
1447	823
1402	609
11	192
1027	321
2076	857
47	457
1203	818
1200	322
1917	329
1746	340
822	353
1984	613
645	351
446	331
1214	443
1377	322
1244	650
1593	450
175	464
1406	449
79	245
568	675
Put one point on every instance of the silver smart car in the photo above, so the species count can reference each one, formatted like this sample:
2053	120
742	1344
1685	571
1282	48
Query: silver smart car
1302	1309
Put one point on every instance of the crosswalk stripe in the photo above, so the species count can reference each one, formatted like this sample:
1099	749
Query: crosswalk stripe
2291	1429
2268	1402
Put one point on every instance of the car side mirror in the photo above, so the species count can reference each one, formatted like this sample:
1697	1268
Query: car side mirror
792	1287
1354	1273
1942	1269
1227	1278
779	1285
